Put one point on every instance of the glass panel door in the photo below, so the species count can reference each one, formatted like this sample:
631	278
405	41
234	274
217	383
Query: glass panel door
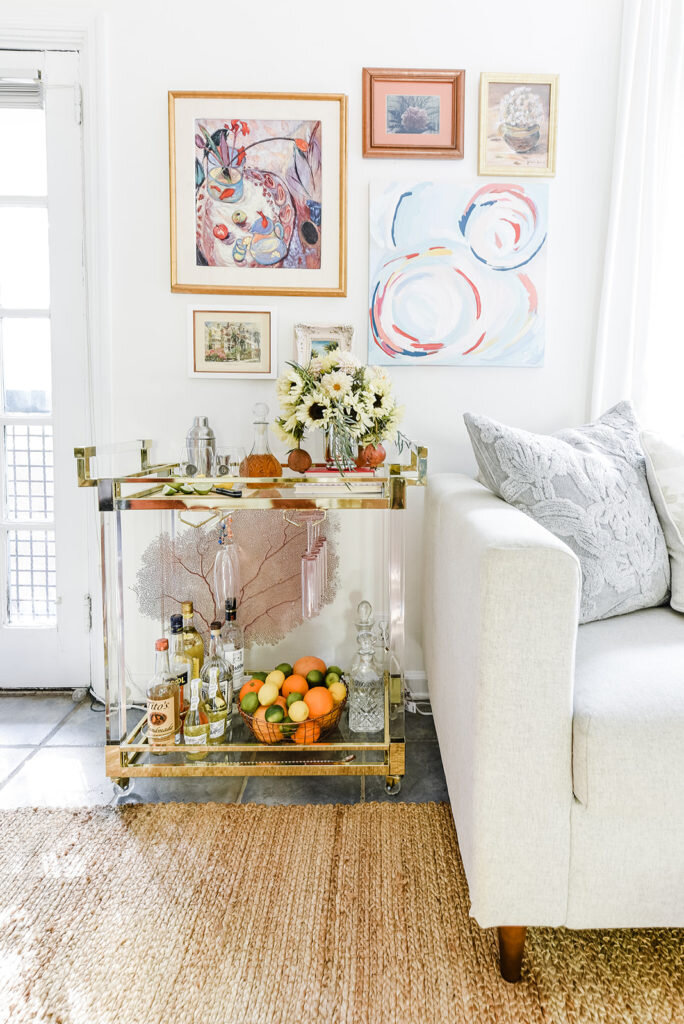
43	562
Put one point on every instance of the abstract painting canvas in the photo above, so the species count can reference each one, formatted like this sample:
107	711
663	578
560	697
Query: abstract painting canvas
457	274
258	193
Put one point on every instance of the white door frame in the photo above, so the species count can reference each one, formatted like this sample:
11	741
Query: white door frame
86	33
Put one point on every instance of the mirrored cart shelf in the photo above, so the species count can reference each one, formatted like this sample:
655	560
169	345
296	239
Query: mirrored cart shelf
128	753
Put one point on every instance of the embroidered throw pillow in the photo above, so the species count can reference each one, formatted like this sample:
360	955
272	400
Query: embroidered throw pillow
665	471
588	486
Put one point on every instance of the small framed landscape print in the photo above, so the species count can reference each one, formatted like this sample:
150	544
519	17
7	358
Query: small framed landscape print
258	193
232	341
313	340
518	122
413	113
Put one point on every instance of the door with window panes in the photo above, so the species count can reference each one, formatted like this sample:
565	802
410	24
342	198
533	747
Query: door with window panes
44	398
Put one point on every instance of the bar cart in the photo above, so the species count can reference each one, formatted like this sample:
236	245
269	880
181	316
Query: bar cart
128	752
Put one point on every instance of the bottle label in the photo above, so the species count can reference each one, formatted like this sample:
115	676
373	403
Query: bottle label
194	740
161	720
217	729
236	658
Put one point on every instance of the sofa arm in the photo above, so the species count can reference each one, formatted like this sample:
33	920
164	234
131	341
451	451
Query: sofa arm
501	612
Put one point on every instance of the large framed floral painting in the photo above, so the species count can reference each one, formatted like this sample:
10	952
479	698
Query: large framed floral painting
258	193
518	121
457	273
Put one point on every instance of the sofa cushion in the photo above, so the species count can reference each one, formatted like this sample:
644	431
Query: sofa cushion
665	471
588	486
628	719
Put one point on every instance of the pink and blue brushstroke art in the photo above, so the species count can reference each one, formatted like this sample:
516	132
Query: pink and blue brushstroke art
457	274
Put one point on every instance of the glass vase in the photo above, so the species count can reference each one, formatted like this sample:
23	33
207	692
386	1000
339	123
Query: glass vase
336	455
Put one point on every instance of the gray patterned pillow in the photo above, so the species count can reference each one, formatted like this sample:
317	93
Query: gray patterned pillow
588	486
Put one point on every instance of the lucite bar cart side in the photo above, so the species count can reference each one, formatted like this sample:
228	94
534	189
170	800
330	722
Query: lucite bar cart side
128	752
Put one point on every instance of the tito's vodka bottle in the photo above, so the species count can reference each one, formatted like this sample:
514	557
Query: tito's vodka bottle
233	644
162	701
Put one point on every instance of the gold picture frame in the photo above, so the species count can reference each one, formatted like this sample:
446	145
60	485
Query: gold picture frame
278	222
518	149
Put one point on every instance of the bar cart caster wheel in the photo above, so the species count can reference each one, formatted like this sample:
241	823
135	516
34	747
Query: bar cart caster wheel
123	793
392	785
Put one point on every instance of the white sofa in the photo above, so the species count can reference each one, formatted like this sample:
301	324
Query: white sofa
563	746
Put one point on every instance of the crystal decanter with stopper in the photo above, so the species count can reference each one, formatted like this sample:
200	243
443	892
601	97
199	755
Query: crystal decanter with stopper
260	461
366	682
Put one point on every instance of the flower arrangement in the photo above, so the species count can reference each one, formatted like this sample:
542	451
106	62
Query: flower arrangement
335	393
521	108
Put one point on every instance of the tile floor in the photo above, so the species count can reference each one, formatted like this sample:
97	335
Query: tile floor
51	756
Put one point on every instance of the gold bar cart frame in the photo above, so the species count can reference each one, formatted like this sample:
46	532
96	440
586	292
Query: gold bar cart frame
142	490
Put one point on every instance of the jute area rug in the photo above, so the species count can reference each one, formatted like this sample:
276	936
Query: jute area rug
226	914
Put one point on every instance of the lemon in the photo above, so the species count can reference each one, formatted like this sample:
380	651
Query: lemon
249	703
299	711
277	678
338	692
268	693
292	698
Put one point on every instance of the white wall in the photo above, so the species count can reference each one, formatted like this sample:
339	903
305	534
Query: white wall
318	46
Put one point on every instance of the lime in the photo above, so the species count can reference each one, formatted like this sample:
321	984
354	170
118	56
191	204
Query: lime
276	677
336	669
299	711
331	677
260	675
285	669
268	694
249	703
292	698
315	678
288	727
274	714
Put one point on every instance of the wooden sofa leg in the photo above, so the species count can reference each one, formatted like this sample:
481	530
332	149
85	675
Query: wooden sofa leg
511	946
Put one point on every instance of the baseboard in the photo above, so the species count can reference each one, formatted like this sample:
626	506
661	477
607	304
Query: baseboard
416	684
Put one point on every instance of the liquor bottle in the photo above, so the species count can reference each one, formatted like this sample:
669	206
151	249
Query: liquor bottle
194	645
196	725
180	664
366	682
233	644
260	461
217	667
226	565
162	701
216	708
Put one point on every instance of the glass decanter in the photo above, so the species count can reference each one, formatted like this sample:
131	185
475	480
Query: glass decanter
260	461
226	566
366	681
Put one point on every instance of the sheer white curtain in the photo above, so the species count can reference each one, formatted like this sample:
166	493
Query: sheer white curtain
640	340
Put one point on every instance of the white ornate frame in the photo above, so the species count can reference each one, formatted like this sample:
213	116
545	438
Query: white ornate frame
304	334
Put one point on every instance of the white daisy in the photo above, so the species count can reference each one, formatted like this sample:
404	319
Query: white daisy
336	384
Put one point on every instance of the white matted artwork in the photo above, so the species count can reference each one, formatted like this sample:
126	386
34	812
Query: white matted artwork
457	273
232	341
317	339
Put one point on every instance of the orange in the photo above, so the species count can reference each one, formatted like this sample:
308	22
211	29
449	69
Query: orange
265	731
294	684
320	701
282	703
251	686
307	732
303	666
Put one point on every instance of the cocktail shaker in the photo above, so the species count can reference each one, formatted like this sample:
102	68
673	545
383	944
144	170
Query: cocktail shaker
200	445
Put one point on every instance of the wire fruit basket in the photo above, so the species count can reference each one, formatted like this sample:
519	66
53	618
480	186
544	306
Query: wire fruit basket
309	731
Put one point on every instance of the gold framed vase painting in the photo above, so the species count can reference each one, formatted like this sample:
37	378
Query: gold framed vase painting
518	121
258	193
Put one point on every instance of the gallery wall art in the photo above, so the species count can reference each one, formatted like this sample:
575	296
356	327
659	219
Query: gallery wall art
258	193
413	112
457	273
232	341
518	120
